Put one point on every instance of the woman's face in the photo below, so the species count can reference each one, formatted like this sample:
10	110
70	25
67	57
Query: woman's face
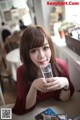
41	56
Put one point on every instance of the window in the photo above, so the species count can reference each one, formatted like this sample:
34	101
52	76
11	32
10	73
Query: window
72	12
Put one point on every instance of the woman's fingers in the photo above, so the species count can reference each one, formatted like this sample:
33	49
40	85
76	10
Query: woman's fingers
55	87
52	84
42	89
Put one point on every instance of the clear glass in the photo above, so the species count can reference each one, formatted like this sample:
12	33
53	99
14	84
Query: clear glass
47	71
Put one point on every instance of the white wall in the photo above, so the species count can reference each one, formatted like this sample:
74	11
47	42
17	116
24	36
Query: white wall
46	13
38	12
42	12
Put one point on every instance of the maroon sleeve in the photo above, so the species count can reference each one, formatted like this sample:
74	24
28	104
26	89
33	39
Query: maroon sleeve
20	104
65	73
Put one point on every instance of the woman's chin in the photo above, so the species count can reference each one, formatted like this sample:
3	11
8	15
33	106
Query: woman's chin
43	64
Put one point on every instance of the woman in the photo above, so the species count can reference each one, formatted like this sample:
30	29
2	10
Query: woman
36	49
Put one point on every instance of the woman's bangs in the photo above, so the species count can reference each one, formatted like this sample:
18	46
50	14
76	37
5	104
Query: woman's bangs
37	41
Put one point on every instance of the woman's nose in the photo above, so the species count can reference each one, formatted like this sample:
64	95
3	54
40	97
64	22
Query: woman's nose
41	54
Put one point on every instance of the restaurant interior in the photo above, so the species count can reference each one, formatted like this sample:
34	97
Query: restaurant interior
63	24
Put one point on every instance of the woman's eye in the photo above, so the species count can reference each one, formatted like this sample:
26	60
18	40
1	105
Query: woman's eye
45	47
33	51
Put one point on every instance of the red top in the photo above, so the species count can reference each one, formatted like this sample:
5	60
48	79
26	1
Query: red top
20	104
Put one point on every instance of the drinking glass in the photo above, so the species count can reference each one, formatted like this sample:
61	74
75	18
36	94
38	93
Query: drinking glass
47	71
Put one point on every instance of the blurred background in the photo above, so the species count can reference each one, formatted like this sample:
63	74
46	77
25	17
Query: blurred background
61	21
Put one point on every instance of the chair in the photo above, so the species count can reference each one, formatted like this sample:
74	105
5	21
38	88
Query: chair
5	34
4	70
12	42
1	94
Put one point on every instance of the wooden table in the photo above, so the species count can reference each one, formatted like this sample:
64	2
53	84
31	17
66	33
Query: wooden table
71	108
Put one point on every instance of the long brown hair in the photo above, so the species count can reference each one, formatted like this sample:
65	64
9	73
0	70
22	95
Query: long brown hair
32	37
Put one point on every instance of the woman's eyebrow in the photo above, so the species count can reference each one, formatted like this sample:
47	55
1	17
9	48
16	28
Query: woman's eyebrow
42	45
45	44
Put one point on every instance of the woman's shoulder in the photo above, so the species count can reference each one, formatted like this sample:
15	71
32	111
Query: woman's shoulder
20	73
61	63
20	69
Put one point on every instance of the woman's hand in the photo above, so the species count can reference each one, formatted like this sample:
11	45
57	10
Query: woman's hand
56	83
39	84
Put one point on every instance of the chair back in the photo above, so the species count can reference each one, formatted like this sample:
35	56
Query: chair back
12	41
5	34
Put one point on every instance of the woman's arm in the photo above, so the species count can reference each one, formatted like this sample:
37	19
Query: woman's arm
65	92
31	97
59	83
37	85
64	95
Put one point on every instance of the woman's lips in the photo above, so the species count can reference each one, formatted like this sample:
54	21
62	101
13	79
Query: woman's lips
43	62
